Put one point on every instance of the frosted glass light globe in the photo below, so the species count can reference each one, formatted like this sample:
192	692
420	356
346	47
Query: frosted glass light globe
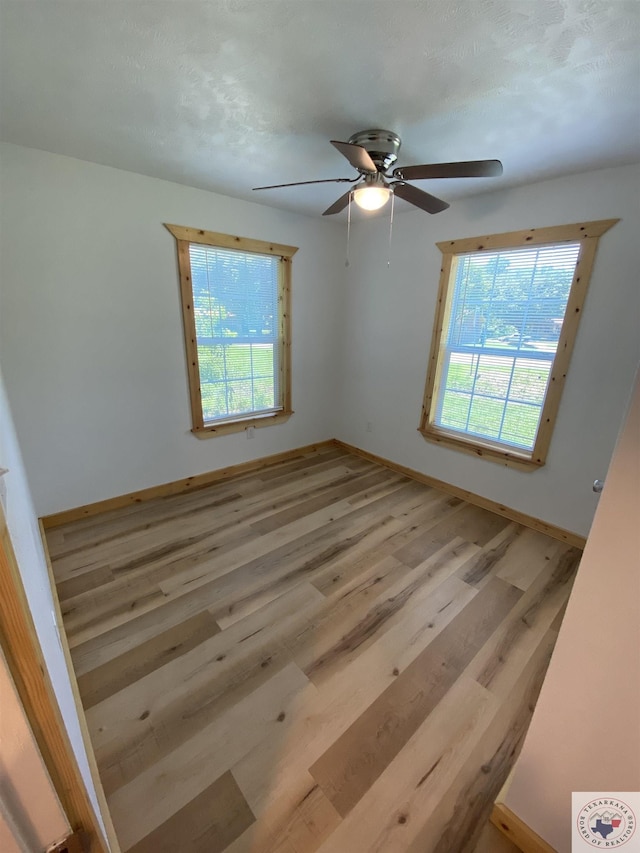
371	197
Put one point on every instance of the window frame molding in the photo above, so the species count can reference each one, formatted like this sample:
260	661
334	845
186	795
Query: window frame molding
587	235
184	237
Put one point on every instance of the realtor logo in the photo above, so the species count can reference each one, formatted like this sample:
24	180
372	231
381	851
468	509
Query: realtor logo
604	821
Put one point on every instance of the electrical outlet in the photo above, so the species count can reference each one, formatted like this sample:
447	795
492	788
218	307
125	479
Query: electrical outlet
369	426
250	432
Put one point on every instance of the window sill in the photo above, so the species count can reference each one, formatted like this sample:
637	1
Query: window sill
226	427
511	458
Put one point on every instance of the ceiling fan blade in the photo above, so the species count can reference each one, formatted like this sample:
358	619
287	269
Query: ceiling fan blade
338	205
468	169
302	183
419	198
356	155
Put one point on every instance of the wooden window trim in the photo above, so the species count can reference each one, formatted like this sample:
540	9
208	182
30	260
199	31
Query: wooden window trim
587	235
184	237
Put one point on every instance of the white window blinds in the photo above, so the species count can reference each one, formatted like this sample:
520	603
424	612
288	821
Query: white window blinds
505	320
235	304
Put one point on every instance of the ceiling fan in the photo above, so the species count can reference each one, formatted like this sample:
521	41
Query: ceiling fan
372	153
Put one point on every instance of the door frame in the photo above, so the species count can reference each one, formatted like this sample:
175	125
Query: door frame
28	669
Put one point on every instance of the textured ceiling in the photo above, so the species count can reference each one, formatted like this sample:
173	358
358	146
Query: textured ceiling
231	94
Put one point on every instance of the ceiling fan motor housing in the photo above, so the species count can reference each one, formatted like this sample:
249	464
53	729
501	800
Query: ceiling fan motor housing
381	145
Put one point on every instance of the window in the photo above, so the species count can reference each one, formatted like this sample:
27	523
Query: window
507	317
236	313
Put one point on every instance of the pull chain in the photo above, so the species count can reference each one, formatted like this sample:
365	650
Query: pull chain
346	263
390	230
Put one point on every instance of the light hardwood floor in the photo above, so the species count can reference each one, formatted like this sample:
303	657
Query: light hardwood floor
322	655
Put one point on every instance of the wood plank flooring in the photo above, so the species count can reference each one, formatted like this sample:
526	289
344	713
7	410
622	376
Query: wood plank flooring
321	655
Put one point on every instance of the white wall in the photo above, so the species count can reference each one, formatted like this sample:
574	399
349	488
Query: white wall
91	338
92	351
25	537
389	316
591	693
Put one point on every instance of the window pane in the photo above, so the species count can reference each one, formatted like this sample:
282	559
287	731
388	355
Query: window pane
235	303
493	375
520	424
513	299
506	317
461	372
214	399
530	380
455	410
263	393
238	361
494	383
485	417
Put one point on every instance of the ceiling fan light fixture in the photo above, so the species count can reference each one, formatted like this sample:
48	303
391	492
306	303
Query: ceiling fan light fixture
372	153
371	197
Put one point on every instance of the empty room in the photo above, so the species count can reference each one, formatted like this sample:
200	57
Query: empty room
319	425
